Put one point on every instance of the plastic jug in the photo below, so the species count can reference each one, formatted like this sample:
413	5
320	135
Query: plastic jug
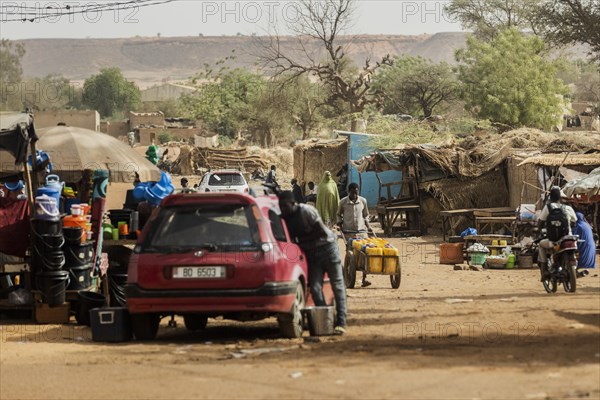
494	250
46	208
375	262
389	264
52	188
511	261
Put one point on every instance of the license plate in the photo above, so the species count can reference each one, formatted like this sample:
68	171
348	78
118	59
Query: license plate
213	272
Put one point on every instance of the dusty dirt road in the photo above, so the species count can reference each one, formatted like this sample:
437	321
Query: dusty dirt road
445	334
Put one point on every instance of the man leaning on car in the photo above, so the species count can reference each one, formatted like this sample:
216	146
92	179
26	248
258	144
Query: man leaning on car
319	244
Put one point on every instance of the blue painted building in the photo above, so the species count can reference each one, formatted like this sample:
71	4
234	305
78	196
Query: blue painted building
359	145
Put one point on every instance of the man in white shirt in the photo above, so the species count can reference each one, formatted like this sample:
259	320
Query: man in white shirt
353	217
547	244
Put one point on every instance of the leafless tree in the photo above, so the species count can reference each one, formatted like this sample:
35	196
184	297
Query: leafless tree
318	51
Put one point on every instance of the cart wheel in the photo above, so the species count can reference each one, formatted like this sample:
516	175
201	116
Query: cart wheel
350	270
396	278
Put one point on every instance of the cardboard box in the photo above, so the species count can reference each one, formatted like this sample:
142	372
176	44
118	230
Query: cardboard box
44	314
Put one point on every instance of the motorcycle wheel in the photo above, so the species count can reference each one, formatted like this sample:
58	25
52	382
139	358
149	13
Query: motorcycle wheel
570	283
550	285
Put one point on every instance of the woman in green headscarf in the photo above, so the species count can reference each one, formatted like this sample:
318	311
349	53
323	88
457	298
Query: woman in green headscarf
328	199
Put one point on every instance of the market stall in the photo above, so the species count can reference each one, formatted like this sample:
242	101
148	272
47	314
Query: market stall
64	258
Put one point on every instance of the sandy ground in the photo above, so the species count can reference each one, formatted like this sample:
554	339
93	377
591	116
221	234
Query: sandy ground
444	334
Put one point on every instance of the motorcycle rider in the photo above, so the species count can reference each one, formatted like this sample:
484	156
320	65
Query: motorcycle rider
555	212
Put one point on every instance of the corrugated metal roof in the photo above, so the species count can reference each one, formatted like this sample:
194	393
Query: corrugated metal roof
556	160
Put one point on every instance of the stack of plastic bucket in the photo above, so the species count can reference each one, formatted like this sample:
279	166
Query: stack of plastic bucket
47	256
79	253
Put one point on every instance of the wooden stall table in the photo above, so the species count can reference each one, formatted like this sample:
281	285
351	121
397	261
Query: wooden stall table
487	225
408	214
450	220
494	212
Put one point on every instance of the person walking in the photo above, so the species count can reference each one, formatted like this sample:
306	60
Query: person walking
319	244
586	245
353	218
297	190
311	197
272	175
185	188
328	199
152	153
131	138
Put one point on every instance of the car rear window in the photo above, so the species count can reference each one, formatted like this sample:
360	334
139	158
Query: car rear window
219	227
226	179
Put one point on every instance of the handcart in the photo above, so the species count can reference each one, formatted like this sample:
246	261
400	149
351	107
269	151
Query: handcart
365	261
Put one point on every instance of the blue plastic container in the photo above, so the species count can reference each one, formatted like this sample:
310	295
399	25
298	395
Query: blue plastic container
52	188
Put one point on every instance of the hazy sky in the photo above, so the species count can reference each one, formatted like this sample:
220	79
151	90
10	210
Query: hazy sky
191	18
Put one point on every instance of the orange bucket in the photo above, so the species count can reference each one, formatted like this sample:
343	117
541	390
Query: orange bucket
123	230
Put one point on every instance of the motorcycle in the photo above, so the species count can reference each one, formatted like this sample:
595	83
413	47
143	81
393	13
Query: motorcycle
562	265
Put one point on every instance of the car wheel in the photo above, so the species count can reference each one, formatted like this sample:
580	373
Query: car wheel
145	326
195	322
291	324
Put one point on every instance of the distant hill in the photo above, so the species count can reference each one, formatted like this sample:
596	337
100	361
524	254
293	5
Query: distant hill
149	61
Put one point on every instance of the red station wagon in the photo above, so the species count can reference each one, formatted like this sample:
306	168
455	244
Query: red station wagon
224	254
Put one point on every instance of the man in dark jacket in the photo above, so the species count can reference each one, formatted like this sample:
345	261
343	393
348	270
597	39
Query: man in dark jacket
297	191
319	244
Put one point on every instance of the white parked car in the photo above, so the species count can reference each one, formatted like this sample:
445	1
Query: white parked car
225	180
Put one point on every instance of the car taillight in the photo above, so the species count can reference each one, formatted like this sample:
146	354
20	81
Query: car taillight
132	270
246	190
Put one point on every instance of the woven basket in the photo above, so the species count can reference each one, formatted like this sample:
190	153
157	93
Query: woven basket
496	262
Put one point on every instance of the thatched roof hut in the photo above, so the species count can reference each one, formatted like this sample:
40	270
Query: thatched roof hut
313	157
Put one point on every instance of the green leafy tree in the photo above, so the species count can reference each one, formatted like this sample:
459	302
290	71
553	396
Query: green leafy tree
223	98
11	73
487	18
110	93
416	86
509	81
306	102
51	92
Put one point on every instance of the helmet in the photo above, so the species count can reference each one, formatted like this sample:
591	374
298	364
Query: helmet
555	193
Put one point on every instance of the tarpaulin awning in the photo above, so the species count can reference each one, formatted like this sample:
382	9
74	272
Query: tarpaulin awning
588	185
16	132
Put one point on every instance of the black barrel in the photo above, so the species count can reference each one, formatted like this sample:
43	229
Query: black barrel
53	285
117	278
72	235
87	301
80	277
77	255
